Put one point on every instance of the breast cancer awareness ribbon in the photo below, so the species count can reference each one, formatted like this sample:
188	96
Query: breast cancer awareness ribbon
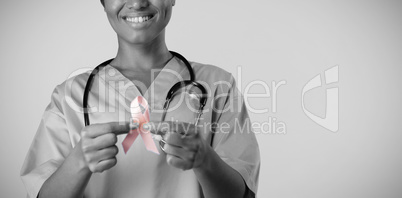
140	114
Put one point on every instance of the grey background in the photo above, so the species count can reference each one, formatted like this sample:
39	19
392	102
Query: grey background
43	41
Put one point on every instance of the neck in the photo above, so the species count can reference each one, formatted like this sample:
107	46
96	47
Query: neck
142	56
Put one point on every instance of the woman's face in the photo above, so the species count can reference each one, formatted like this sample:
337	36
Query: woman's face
139	21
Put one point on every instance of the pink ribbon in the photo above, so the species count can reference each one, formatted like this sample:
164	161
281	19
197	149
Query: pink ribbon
140	114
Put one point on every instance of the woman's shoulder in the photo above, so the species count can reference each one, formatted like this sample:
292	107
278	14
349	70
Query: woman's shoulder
210	72
71	89
76	80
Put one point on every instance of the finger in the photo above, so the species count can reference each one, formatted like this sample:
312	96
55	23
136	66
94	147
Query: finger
104	141
179	152
160	128
104	154
183	128
117	128
107	153
178	163
180	140
105	165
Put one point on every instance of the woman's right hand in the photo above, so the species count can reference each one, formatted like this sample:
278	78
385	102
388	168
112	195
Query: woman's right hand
98	144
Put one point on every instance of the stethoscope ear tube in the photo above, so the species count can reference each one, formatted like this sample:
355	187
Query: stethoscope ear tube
169	96
88	89
188	65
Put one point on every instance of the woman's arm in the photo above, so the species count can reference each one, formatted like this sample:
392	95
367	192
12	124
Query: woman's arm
186	149
96	152
218	179
70	179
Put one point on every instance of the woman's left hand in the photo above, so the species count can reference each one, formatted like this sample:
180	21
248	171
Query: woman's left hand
185	148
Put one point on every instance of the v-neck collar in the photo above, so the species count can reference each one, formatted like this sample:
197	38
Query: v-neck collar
173	72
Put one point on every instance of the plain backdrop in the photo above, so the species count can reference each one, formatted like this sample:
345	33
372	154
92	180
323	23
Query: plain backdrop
42	42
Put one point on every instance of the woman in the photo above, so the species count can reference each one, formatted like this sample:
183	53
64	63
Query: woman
69	159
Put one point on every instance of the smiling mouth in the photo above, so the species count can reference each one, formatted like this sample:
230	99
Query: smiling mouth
138	19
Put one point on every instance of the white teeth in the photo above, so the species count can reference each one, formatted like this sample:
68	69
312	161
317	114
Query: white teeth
140	19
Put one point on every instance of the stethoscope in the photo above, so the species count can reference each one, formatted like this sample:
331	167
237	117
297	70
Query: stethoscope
174	90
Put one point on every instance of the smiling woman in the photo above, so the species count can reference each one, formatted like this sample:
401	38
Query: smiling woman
138	22
70	158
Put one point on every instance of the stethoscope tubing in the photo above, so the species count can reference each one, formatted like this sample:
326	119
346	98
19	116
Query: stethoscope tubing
169	96
96	70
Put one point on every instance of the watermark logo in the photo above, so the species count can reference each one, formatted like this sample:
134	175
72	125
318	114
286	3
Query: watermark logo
331	119
259	97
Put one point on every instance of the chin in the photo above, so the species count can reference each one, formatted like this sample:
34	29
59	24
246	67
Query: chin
141	38
138	40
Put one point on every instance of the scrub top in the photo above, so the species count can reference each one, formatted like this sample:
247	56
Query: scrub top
141	173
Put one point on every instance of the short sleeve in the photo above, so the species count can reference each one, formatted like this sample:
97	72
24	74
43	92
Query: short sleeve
233	140
49	148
